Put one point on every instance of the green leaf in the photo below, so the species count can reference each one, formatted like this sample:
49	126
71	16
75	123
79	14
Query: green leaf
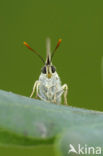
84	138
26	121
40	150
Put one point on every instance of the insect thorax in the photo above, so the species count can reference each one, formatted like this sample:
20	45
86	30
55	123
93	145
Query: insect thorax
50	88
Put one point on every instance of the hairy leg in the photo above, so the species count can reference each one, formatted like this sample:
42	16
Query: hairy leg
65	88
35	87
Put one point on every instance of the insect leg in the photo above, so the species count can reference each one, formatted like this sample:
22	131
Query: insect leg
57	96
65	88
54	101
35	87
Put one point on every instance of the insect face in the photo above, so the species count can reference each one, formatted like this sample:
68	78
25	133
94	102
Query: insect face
48	70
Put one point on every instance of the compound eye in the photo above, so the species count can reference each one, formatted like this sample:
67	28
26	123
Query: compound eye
43	70
53	69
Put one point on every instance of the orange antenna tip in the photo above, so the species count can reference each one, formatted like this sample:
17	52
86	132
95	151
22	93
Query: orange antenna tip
26	44
60	40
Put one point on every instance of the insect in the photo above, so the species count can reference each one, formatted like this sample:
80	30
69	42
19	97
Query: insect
48	87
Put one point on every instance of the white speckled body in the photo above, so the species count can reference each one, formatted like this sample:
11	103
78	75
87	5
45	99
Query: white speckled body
50	88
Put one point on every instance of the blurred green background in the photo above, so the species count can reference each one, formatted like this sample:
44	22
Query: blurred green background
79	60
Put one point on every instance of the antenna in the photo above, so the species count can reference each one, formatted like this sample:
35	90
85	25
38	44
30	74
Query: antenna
27	45
56	48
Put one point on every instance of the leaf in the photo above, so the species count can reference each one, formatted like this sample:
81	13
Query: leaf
40	150
84	138
26	121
